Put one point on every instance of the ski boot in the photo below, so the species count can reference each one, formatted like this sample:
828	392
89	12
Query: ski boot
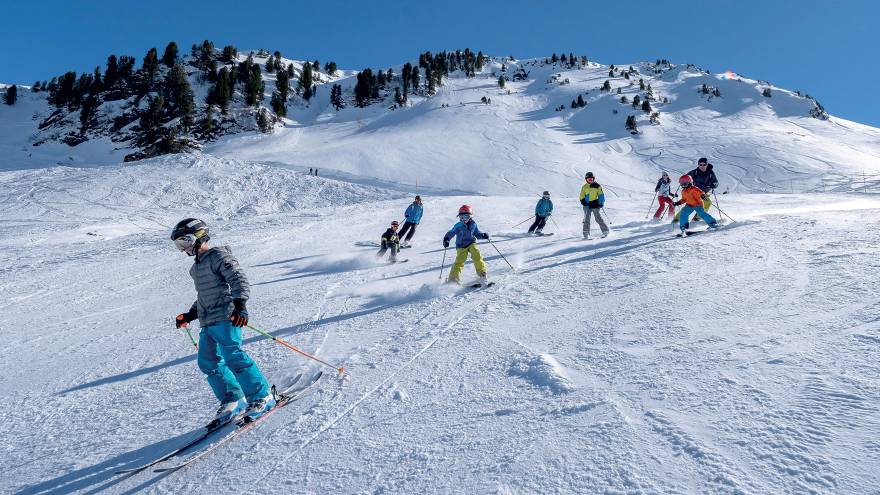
605	234
226	412
260	406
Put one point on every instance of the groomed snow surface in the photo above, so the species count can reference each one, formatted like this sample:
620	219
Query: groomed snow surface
740	361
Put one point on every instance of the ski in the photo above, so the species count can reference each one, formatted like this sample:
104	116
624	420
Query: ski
479	285
242	425
398	261
208	432
544	235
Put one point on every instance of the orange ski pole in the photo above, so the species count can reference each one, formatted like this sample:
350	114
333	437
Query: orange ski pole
340	369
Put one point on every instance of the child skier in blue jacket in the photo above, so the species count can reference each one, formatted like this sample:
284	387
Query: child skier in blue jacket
466	234
412	217
543	210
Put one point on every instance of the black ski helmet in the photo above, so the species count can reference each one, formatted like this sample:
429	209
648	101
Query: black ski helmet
703	160
192	228
589	176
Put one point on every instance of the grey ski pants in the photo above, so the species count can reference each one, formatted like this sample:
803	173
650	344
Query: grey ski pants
596	212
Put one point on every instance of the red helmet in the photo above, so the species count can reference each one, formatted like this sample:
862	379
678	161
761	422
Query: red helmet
465	209
395	223
686	180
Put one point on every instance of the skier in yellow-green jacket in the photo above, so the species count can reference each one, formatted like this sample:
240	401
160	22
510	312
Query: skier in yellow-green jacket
593	199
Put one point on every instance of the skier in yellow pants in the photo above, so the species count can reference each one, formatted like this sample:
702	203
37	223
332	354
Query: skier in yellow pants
466	234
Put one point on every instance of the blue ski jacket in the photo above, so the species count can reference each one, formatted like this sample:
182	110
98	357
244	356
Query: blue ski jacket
413	213
544	207
465	234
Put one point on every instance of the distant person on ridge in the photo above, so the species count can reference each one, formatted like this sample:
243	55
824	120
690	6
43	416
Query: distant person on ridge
705	179
390	241
222	291
466	234
412	217
664	196
692	197
543	210
593	200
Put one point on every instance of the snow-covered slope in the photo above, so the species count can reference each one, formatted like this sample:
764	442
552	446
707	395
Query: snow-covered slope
519	144
739	361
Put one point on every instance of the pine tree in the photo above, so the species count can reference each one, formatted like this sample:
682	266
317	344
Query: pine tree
11	95
641	84
580	102
316	66
151	65
264	122
397	96
766	93
87	113
221	93
364	88
430	89
415	80
631	124
306	81
624	99
637	101
501	82
151	120
336	97
646	106
208	125
254	87
611	73
169	58
405	78
606	86
229	54
282	84
97	83
36	87
270	65
179	96
278	104
330	68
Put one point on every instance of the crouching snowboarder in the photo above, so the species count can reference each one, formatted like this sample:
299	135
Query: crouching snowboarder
390	242
222	292
543	210
692	197
466	234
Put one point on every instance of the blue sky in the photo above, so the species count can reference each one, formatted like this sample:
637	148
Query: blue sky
819	47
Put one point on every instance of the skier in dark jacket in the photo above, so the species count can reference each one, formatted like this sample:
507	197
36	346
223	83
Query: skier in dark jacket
222	293
705	180
390	241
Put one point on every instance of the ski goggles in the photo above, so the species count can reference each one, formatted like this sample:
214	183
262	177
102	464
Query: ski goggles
185	242
590	179
464	217
546	196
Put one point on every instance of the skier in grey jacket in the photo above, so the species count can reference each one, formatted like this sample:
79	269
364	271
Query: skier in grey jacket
220	306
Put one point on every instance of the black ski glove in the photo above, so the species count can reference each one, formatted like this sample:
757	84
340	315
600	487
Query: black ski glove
239	316
445	243
485	236
584	201
184	319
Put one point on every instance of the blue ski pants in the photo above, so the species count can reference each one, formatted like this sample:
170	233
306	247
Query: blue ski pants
231	373
686	214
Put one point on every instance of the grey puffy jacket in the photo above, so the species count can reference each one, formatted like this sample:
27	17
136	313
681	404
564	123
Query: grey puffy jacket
218	280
